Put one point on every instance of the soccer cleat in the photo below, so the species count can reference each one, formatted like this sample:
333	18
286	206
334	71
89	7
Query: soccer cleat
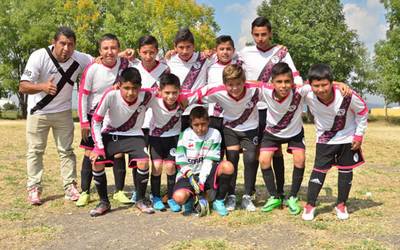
72	193
247	203
230	202
308	213
219	206
34	196
173	206
144	208
293	206
202	207
83	200
341	211
158	204
133	197
121	197
188	207
101	209
271	204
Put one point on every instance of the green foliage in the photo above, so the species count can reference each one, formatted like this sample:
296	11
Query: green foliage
9	106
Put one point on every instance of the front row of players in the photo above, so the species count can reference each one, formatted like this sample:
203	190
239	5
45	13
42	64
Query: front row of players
340	118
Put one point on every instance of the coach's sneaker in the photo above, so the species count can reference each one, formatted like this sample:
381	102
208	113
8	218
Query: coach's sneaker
308	213
101	209
84	199
144	208
133	197
271	204
188	207
72	193
230	202
247	203
34	196
158	204
341	211
121	197
173	206
293	206
219	206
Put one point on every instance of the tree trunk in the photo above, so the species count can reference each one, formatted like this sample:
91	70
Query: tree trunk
386	111
23	104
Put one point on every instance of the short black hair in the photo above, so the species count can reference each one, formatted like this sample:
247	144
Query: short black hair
66	31
147	40
198	112
169	79
224	39
261	22
320	71
131	75
107	36
281	68
184	35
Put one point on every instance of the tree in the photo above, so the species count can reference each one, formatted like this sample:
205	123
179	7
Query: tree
314	36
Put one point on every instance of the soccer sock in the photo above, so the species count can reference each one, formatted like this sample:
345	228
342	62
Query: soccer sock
250	171
134	173
314	186
119	171
100	180
170	185
269	180
155	182
345	179
297	178
142	177
278	165
86	174
224	181
233	157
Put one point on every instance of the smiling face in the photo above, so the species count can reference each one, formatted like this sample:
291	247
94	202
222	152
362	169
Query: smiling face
185	50
322	89
235	87
283	84
225	52
109	50
169	93
262	37
63	48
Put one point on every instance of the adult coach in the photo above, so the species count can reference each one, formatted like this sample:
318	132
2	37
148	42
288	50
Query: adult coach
48	79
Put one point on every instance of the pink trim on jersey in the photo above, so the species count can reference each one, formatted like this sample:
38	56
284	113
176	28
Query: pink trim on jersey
296	73
276	98
271	149
252	84
99	151
170	109
296	149
365	110
103	162
350	167
358	138
268	85
101	101
86	147
86	92
157	63
241	95
110	67
81	91
321	171
215	89
263	51
98	118
85	124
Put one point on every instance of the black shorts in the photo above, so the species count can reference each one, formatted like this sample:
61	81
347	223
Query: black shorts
246	139
338	155
211	182
135	146
262	121
89	143
163	148
271	142
185	122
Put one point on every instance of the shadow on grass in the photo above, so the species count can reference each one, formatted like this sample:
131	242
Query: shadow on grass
52	197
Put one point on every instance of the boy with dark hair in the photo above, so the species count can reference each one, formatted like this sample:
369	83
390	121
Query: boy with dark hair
200	165
341	123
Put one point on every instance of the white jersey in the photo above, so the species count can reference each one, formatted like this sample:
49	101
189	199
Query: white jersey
341	121
96	79
117	117
164	122
150	79
239	114
284	116
255	60
192	73
40	68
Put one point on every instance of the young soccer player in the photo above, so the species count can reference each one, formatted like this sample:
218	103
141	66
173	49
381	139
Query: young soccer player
258	61
117	129
198	155
238	99
96	78
165	126
341	123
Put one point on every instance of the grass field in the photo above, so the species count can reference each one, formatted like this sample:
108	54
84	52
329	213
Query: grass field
374	218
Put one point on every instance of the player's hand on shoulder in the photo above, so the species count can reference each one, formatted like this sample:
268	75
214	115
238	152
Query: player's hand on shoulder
344	88
128	54
169	54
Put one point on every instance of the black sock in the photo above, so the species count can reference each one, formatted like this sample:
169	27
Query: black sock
134	173
297	179
100	180
119	171
233	157
86	174
345	179
314	186
155	182
269	180
142	177
278	165
250	171
170	185
224	181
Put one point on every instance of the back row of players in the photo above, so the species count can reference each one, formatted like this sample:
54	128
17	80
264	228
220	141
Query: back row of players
243	111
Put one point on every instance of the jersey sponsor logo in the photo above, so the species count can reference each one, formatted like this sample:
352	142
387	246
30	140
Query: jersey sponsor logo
341	112
172	151
196	161
356	158
197	65
255	140
316	181
179	113
141	108
28	73
249	105
191	145
275	59
292	108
